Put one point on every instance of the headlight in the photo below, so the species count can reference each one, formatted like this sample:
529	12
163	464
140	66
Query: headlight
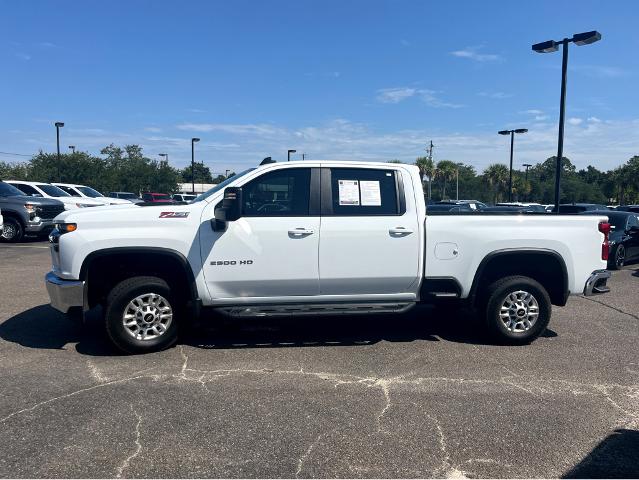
84	205
30	207
59	230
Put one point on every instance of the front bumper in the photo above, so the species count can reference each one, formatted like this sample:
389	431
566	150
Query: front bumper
64	294
596	284
39	228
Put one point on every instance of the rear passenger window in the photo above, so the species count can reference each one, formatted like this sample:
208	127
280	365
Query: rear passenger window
361	191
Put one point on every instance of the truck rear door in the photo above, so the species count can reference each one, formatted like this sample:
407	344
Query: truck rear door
369	242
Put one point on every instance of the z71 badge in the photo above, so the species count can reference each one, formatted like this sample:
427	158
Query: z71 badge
174	214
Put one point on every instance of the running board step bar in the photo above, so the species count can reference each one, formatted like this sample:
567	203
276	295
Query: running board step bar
315	309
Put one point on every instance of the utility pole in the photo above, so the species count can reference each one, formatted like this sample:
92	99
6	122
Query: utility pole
430	158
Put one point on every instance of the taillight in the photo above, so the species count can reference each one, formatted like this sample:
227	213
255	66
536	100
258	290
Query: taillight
604	227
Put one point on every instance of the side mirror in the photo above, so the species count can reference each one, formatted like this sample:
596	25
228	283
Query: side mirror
634	229
229	210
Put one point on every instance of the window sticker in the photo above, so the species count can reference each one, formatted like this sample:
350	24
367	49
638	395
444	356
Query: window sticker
348	192
371	195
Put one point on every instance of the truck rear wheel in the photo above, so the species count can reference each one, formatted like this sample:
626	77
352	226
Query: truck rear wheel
11	231
142	315
517	310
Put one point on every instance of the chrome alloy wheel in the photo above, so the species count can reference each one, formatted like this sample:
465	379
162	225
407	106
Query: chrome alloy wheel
620	256
519	311
147	316
8	231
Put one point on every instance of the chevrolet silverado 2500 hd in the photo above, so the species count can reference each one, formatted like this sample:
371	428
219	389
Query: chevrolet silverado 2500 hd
318	237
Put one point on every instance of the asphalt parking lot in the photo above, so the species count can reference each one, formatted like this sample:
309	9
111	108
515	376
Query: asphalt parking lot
415	396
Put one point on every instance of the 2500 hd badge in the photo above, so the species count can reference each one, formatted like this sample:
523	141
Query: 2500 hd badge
231	262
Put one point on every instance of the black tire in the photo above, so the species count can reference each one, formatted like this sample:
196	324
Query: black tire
12	230
496	296
117	303
618	258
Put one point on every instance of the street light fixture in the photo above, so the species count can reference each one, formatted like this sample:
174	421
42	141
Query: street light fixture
512	143
72	148
585	38
527	165
193	141
58	126
289	154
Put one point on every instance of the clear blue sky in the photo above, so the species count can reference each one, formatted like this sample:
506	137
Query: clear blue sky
335	79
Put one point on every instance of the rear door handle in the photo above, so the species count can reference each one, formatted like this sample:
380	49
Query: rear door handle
300	232
400	231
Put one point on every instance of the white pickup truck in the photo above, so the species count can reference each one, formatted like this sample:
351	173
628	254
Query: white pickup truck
318	237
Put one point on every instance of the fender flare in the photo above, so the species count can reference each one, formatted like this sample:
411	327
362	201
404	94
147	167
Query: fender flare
516	251
88	260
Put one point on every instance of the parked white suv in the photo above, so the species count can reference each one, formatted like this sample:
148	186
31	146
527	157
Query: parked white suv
46	190
318	237
83	191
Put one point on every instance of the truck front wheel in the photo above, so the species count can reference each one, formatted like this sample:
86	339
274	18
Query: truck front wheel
12	230
517	310
141	315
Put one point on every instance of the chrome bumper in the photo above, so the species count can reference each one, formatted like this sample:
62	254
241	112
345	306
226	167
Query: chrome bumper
596	284
64	294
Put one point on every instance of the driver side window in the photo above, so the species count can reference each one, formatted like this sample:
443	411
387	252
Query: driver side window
280	193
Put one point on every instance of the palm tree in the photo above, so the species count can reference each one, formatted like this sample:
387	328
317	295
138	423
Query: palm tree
426	167
496	175
446	171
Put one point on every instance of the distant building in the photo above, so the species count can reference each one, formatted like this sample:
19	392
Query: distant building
199	187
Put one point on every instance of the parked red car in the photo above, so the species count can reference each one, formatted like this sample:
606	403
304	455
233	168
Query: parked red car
151	197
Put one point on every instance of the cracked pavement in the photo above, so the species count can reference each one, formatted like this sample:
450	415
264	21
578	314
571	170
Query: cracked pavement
422	395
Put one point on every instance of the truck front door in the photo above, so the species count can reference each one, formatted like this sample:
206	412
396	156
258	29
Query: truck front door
272	250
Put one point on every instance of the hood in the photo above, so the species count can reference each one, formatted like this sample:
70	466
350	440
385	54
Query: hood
35	200
116	201
74	201
132	214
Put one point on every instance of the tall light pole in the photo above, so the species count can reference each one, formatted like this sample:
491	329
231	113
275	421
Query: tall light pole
165	156
303	156
512	143
193	141
457	175
289	154
226	173
72	148
550	46
58	126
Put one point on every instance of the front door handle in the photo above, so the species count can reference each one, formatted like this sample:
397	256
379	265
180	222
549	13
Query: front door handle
400	231
300	232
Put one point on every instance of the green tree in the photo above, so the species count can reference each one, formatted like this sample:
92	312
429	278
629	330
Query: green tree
202	173
446	171
426	168
496	177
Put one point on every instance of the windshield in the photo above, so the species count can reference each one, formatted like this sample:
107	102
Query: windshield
124	195
160	196
618	221
7	190
89	192
221	185
52	190
69	190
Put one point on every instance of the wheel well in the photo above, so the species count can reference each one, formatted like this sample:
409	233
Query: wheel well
13	216
103	270
547	267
